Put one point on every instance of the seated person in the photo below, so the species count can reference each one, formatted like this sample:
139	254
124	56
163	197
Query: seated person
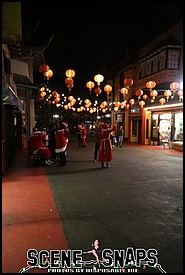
36	146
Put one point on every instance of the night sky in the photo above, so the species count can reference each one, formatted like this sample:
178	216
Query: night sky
89	37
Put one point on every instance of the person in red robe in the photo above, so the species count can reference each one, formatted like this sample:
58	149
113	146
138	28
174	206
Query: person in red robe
36	146
62	139
83	136
105	150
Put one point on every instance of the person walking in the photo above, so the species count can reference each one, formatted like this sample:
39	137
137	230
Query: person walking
105	150
83	135
120	136
62	139
97	140
79	135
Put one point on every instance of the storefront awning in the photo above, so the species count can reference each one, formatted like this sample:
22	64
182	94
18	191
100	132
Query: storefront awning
9	97
23	81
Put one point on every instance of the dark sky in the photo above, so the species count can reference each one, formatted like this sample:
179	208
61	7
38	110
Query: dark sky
89	37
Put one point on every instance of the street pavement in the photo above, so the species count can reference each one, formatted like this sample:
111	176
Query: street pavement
137	202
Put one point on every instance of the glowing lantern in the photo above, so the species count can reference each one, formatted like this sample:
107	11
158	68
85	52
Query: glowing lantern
43	94
162	100
139	93
141	103
107	89
70	73
55	94
103	110
124	91
174	86
98	78
68	81
70	97
167	94
90	85
132	101
43	68
57	99
150	85
128	82
116	109
48	74
145	97
180	94
97	91
65	107
117	104
153	94
58	105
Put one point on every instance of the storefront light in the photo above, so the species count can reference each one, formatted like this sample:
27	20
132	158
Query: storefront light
164	106
181	85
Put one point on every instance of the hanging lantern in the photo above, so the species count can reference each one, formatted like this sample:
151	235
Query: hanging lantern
162	100
43	94
117	104
167	94
58	105
115	109
68	81
123	104
128	82
153	94
65	107
180	95
150	85
107	89
132	101
139	93
70	97
55	94
43	68
104	110
141	103
174	86
124	91
97	91
90	85
48	74
70	73
98	78
145	97
56	99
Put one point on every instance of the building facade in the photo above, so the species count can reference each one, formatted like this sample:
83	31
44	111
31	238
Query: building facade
152	114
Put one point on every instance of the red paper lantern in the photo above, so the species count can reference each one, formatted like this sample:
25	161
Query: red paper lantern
107	89
139	93
174	86
150	85
97	91
43	68
90	85
69	81
128	82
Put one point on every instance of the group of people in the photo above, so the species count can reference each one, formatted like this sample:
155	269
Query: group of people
50	147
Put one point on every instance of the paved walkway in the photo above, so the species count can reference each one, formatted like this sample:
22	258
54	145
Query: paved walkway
30	215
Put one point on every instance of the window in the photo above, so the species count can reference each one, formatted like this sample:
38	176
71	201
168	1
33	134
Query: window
142	70
173	59
148	68
162	60
155	65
